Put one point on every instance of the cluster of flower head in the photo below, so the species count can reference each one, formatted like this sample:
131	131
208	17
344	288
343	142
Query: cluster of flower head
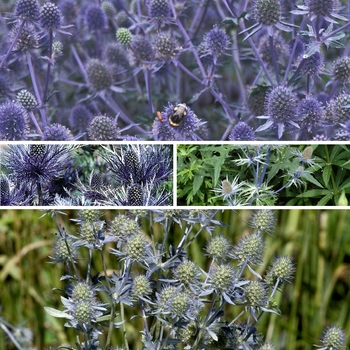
83	66
174	288
49	174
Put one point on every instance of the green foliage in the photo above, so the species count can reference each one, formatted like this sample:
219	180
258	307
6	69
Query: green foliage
266	175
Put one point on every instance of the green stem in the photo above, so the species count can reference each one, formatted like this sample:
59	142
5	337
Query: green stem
329	162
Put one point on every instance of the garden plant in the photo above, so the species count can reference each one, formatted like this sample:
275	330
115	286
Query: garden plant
179	279
86	175
223	70
239	175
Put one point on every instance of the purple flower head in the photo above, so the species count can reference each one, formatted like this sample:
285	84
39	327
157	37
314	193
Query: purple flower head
115	53
312	65
165	47
99	76
140	164
341	69
159	9
10	194
280	108
27	9
338	110
13	122
35	165
242	132
267	12
102	128
217	42
69	11
185	127
50	16
95	18
57	132
142	50
28	38
79	118
310	112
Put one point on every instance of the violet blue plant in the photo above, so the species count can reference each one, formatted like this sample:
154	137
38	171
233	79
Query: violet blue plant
134	61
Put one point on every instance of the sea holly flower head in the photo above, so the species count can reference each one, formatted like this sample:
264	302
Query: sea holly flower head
228	189
333	338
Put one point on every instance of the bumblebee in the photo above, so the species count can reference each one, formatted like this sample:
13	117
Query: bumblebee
178	114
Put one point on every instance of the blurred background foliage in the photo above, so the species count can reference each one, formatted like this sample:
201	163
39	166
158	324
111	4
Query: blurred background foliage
319	295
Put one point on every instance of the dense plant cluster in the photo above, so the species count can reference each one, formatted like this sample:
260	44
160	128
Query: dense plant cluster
113	70
66	175
263	175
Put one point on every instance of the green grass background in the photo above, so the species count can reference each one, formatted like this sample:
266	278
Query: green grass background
319	295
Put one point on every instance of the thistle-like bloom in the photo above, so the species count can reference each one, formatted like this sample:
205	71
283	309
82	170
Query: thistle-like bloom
305	156
228	189
267	14
222	278
312	65
320	8
11	195
218	248
333	338
242	132
185	130
187	273
159	9
165	47
50	17
95	18
216	43
280	108
281	271
141	286
263	220
99	76
28	10
139	164
57	132
338	111
341	69
14	123
35	165
255	294
103	128
249	249
310	113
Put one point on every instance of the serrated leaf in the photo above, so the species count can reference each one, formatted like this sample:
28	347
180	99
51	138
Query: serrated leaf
311	179
314	193
325	199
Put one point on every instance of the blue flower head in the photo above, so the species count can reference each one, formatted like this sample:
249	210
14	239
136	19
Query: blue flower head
242	132
184	128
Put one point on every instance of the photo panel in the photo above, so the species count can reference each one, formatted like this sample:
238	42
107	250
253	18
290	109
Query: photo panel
281	174
152	278
76	174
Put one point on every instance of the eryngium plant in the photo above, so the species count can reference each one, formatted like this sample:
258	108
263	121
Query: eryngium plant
183	305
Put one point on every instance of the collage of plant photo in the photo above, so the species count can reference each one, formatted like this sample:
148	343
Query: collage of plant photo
174	174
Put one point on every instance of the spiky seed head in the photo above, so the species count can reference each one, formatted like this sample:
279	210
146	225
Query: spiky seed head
256	99
267	346
26	99
28	38
124	36
115	53
37	150
166	295
83	312
218	247
82	291
135	195
89	215
57	132
141	286
263	220
142	50
186	272
95	18
122	19
313	65
281	104
132	161
180	304
64	250
333	338
28	9
217	42
337	110
222	277
13	122
242	132
99	76
159	8
79	117
108	8
88	231
281	270
321	7
50	16
341	69
310	112
250	248
267	12
306	155
190	333
165	47
255	294
102	128
136	247
123	226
